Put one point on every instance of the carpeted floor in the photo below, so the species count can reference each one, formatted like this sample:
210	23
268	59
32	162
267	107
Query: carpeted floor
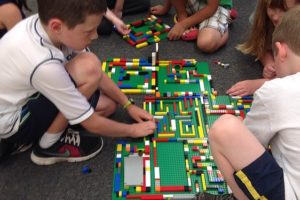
21	179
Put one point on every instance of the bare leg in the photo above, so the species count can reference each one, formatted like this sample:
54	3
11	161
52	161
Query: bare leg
233	148
209	39
106	106
86	71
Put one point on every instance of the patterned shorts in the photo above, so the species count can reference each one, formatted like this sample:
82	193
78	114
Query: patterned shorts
218	21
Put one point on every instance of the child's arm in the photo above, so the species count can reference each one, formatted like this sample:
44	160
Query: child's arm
161	9
268	62
114	92
120	25
118	9
245	88
107	127
204	13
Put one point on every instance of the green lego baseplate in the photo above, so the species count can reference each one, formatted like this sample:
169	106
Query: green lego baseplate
176	161
146	31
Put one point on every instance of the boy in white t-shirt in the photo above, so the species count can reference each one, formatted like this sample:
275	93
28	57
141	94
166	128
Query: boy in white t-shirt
241	149
49	79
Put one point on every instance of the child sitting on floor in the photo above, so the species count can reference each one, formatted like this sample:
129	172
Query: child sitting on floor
206	21
49	80
267	16
241	149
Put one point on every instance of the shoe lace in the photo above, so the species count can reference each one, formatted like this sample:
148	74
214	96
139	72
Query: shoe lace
72	137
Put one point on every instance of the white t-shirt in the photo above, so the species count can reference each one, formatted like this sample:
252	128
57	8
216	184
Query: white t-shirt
30	63
275	119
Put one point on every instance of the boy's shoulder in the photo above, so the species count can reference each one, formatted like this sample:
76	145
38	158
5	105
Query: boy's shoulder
284	87
28	42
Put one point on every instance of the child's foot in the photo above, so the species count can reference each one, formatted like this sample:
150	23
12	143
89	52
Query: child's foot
159	10
245	88
71	147
190	34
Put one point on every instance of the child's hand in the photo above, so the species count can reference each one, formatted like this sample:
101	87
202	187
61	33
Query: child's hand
138	114
176	32
269	71
245	88
159	10
143	129
122	28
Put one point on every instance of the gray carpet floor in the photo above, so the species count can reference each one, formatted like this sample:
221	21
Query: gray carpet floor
21	179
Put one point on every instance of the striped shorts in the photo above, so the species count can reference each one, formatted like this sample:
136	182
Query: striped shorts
262	179
219	21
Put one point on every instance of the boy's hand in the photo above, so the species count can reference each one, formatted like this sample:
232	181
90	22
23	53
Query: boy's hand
176	32
143	129
269	71
159	10
138	114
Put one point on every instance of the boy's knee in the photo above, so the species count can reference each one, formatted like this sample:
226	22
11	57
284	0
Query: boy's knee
92	65
223	127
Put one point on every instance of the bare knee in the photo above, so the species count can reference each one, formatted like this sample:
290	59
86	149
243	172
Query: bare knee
209	40
92	66
207	44
224	128
84	68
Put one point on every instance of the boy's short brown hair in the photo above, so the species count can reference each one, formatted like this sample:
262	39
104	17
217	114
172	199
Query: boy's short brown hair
71	12
288	30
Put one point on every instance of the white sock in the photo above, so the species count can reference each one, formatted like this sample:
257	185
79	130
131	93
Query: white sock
48	139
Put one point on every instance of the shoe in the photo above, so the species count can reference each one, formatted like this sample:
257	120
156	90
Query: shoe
71	147
9	149
207	196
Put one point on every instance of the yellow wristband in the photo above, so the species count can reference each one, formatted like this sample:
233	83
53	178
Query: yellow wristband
127	104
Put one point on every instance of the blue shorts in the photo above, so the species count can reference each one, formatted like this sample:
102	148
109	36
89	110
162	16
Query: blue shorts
37	116
262	179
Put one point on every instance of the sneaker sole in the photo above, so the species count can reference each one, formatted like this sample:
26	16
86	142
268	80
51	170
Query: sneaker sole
52	160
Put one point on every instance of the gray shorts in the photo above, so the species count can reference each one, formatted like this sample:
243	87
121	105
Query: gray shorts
218	21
